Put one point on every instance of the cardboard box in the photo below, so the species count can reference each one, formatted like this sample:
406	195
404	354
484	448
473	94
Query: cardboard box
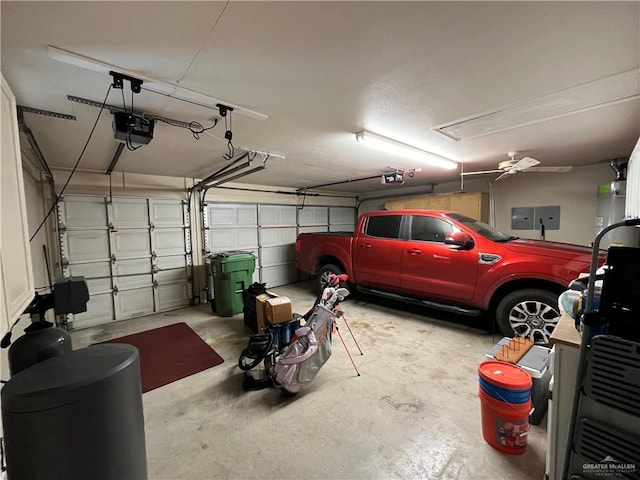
278	310
261	310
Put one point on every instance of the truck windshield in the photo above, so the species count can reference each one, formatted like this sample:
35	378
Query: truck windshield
487	231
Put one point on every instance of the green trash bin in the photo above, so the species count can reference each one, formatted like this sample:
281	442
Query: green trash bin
232	273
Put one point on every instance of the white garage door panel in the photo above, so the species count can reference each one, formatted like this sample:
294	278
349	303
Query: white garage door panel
324	228
277	236
133	303
279	275
169	241
227	215
96	232
232	239
313	216
131	243
172	276
99	311
271	215
341	216
167	213
84	212
173	296
274	228
277	255
132	267
97	275
166	263
86	246
130	212
132	273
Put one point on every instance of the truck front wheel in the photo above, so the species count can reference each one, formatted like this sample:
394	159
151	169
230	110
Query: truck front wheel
324	273
529	313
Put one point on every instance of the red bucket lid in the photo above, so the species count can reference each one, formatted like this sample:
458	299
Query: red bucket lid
505	375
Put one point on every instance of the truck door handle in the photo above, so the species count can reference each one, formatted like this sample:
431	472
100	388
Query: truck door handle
414	251
365	245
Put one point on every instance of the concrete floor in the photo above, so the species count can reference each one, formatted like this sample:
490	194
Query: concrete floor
413	413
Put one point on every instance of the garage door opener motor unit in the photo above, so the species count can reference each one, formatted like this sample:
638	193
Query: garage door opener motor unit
131	128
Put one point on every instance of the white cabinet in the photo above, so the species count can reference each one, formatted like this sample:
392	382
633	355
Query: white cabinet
16	275
564	365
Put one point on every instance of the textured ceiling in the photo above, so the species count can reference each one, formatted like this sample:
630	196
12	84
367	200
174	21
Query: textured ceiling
322	71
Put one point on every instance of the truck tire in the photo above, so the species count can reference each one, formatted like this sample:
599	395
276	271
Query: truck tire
324	272
529	312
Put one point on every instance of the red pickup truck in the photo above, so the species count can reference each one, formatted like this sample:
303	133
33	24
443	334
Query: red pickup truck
449	261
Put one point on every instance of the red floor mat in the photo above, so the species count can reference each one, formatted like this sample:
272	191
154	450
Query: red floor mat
170	353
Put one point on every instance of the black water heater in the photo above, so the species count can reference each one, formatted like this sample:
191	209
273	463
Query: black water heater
76	416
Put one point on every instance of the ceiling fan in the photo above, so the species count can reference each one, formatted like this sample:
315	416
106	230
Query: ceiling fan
513	166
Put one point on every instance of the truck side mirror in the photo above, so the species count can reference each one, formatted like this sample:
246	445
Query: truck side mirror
459	239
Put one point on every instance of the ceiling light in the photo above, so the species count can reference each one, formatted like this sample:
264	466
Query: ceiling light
402	149
150	84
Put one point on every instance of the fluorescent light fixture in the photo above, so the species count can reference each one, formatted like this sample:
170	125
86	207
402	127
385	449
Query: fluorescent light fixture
150	84
620	88
402	149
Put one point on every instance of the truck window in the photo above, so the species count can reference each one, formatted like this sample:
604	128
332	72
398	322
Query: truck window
384	226
483	229
429	229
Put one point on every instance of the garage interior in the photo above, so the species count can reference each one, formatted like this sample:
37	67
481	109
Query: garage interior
140	140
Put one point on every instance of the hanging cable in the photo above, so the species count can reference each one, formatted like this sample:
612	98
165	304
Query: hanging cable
55	203
304	197
228	134
128	142
124	104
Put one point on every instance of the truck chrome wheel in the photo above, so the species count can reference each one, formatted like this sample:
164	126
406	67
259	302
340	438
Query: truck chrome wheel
535	319
529	313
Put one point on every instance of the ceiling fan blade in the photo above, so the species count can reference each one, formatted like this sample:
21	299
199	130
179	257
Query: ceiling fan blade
558	169
504	174
483	172
525	163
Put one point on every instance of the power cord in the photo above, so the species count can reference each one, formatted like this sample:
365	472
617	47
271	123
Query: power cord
3	467
86	144
196	128
6	340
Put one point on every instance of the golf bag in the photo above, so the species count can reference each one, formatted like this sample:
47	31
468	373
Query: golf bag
304	358
298	364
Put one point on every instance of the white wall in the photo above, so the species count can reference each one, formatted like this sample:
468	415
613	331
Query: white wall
576	192
632	204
